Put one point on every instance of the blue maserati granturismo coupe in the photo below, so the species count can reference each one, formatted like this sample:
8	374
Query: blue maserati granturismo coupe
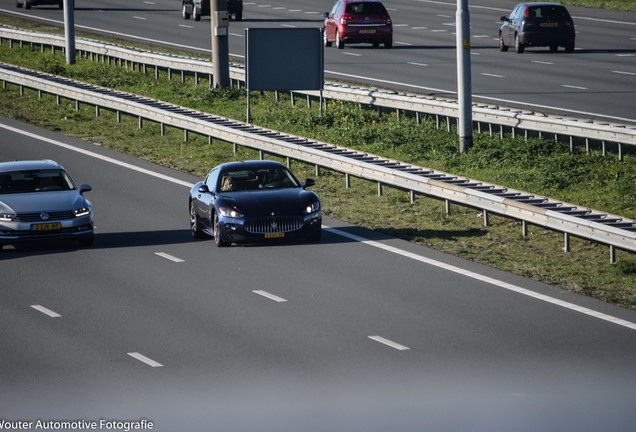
254	201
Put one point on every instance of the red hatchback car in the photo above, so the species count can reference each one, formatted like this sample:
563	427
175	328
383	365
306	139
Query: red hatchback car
358	21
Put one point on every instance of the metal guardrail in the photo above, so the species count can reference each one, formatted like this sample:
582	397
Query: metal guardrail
615	231
504	117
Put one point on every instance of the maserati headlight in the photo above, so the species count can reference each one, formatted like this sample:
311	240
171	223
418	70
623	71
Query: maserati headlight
312	207
230	212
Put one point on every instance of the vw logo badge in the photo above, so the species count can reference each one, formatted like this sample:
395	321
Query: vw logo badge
44	216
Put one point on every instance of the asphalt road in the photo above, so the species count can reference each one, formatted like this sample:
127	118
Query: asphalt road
356	333
598	80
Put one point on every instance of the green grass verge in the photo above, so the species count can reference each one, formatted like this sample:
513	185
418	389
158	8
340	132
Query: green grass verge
624	5
539	166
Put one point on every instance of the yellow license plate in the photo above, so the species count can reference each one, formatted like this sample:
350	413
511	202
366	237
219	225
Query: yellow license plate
46	226
368	31
274	235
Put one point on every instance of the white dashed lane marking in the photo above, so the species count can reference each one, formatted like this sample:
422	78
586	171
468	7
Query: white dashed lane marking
169	257
142	358
46	311
390	343
269	296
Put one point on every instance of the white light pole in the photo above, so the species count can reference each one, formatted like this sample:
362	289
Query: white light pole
69	30
464	90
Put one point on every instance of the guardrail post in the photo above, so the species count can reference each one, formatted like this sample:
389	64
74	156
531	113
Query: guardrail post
58	100
347	181
260	155
163	129
486	218
612	254
620	152
96	110
566	246
141	122
448	207
412	196
524	228
379	189
77	105
185	135
118	116
235	148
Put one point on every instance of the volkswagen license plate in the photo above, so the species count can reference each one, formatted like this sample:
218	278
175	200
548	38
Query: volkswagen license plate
367	31
46	226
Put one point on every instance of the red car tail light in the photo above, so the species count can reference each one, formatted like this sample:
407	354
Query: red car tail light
345	18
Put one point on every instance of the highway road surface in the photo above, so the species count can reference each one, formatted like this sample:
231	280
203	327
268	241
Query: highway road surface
597	81
358	332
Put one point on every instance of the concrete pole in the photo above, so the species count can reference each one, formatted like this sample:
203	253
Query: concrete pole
220	20
69	30
464	90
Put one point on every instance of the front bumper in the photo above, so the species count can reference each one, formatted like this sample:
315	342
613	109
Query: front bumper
16	232
271	229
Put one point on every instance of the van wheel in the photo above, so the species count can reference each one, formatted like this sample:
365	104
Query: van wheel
184	13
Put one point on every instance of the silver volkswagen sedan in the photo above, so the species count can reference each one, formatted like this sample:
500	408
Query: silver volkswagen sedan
39	200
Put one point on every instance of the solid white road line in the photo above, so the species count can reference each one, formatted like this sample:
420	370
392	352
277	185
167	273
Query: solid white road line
624	73
97	156
46	311
169	257
142	358
269	296
486	279
387	342
391	249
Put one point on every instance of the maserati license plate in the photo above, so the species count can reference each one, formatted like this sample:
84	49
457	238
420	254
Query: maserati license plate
274	235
